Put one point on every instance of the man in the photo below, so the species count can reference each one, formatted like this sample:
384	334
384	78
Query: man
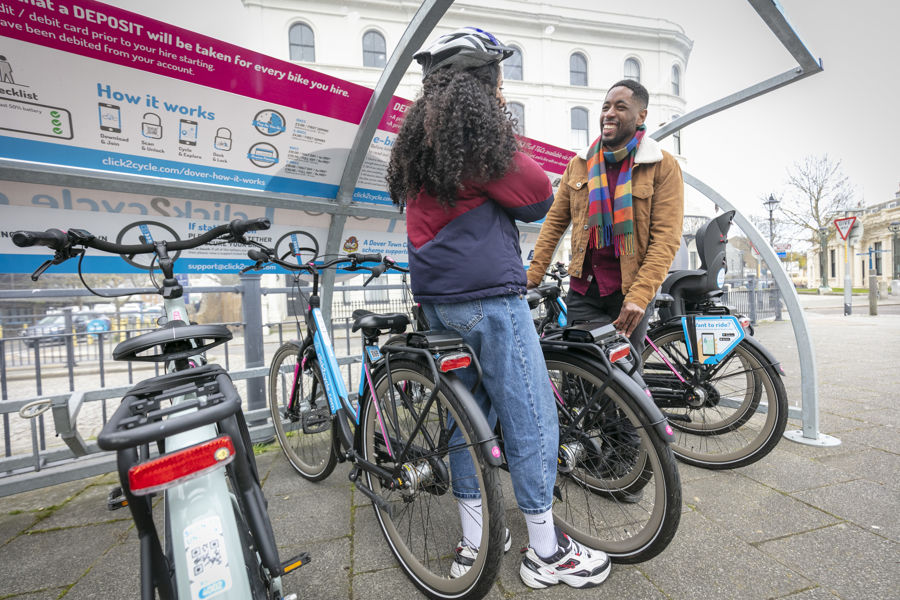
624	197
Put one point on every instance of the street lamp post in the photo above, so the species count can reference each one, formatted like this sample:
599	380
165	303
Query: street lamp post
894	228
771	204
823	248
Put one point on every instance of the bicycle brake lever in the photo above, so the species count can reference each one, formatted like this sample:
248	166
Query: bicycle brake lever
40	270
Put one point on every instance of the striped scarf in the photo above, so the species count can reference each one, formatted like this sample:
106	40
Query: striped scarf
611	221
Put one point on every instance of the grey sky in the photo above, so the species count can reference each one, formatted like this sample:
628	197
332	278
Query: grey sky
849	111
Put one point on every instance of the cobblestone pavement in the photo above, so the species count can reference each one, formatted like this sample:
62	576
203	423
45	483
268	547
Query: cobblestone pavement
805	523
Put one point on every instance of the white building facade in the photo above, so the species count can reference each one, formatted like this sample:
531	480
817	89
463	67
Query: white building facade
567	57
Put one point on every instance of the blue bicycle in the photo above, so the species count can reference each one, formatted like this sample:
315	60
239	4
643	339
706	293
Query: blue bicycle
411	413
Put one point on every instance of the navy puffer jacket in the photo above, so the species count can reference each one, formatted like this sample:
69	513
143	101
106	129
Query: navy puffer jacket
471	250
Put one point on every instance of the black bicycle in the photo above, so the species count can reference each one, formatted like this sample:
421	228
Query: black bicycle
618	487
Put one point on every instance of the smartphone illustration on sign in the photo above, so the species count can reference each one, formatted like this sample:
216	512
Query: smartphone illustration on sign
187	132
708	341
110	117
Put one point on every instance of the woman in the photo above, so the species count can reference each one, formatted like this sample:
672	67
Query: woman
456	170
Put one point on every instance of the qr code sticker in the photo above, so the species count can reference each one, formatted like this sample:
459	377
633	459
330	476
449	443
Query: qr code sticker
207	559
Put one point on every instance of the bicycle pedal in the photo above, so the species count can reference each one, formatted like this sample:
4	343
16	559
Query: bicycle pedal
294	563
116	499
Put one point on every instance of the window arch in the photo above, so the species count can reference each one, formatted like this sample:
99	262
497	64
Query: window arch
512	66
633	69
302	42
579	127
578	69
374	49
518	112
676	80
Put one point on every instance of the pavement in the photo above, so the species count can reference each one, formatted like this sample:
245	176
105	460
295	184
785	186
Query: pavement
805	523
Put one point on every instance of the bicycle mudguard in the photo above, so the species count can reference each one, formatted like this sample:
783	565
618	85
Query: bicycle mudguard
487	439
645	402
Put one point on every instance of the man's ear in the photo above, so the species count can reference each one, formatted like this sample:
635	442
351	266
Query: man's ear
642	116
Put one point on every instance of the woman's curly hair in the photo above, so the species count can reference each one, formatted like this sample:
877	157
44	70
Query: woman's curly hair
455	132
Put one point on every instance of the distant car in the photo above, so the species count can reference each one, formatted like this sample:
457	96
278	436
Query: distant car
52	328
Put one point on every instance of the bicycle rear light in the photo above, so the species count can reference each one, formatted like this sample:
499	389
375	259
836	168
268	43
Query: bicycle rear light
175	468
456	360
745	322
618	352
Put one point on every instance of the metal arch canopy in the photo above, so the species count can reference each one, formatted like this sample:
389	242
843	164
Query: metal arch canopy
770	12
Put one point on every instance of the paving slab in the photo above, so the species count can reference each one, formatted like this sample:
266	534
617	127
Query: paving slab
788	472
752	511
871	506
842	558
701	563
53	558
871	464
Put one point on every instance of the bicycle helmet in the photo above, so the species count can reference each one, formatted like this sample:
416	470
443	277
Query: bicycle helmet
465	48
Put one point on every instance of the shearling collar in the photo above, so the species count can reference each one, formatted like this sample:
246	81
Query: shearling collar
648	152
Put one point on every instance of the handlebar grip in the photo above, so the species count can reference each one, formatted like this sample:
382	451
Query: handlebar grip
361	258
239	227
52	238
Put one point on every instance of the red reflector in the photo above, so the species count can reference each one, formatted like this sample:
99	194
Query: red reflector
619	352
454	361
745	322
171	469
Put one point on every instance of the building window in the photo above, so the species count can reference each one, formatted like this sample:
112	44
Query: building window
676	138
832	260
518	112
512	66
633	69
878	258
579	127
302	43
676	80
374	50
578	69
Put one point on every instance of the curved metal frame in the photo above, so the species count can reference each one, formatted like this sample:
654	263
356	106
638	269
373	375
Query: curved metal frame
420	27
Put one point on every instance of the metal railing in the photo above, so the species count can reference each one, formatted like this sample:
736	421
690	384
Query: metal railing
77	376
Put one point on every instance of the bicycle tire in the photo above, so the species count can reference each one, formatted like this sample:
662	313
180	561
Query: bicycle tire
728	429
422	523
621	497
307	437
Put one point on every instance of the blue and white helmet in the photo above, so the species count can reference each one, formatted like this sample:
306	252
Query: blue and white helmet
465	48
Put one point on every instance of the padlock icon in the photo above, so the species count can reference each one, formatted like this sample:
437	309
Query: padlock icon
223	139
152	126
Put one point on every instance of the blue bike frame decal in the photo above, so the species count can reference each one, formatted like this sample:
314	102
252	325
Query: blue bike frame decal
562	319
334	382
716	337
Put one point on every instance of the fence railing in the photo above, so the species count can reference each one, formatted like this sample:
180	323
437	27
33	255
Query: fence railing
61	366
756	299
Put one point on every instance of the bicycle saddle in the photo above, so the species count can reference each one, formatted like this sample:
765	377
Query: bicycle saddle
372	323
176	340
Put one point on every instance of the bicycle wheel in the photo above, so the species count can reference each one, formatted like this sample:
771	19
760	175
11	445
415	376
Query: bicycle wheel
617	488
727	416
304	433
421	520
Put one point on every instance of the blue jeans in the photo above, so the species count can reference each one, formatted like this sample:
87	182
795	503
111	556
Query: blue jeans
516	389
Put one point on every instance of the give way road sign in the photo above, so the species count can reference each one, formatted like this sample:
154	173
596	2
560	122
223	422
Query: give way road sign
844	225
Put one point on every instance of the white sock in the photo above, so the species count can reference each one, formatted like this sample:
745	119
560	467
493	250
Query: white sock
542	533
470	516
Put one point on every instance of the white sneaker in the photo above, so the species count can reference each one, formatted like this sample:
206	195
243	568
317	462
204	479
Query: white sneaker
573	564
465	557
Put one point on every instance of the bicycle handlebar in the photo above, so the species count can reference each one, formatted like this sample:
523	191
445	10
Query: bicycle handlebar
58	240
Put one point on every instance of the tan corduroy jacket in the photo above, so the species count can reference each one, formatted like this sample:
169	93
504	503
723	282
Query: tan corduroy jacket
657	191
